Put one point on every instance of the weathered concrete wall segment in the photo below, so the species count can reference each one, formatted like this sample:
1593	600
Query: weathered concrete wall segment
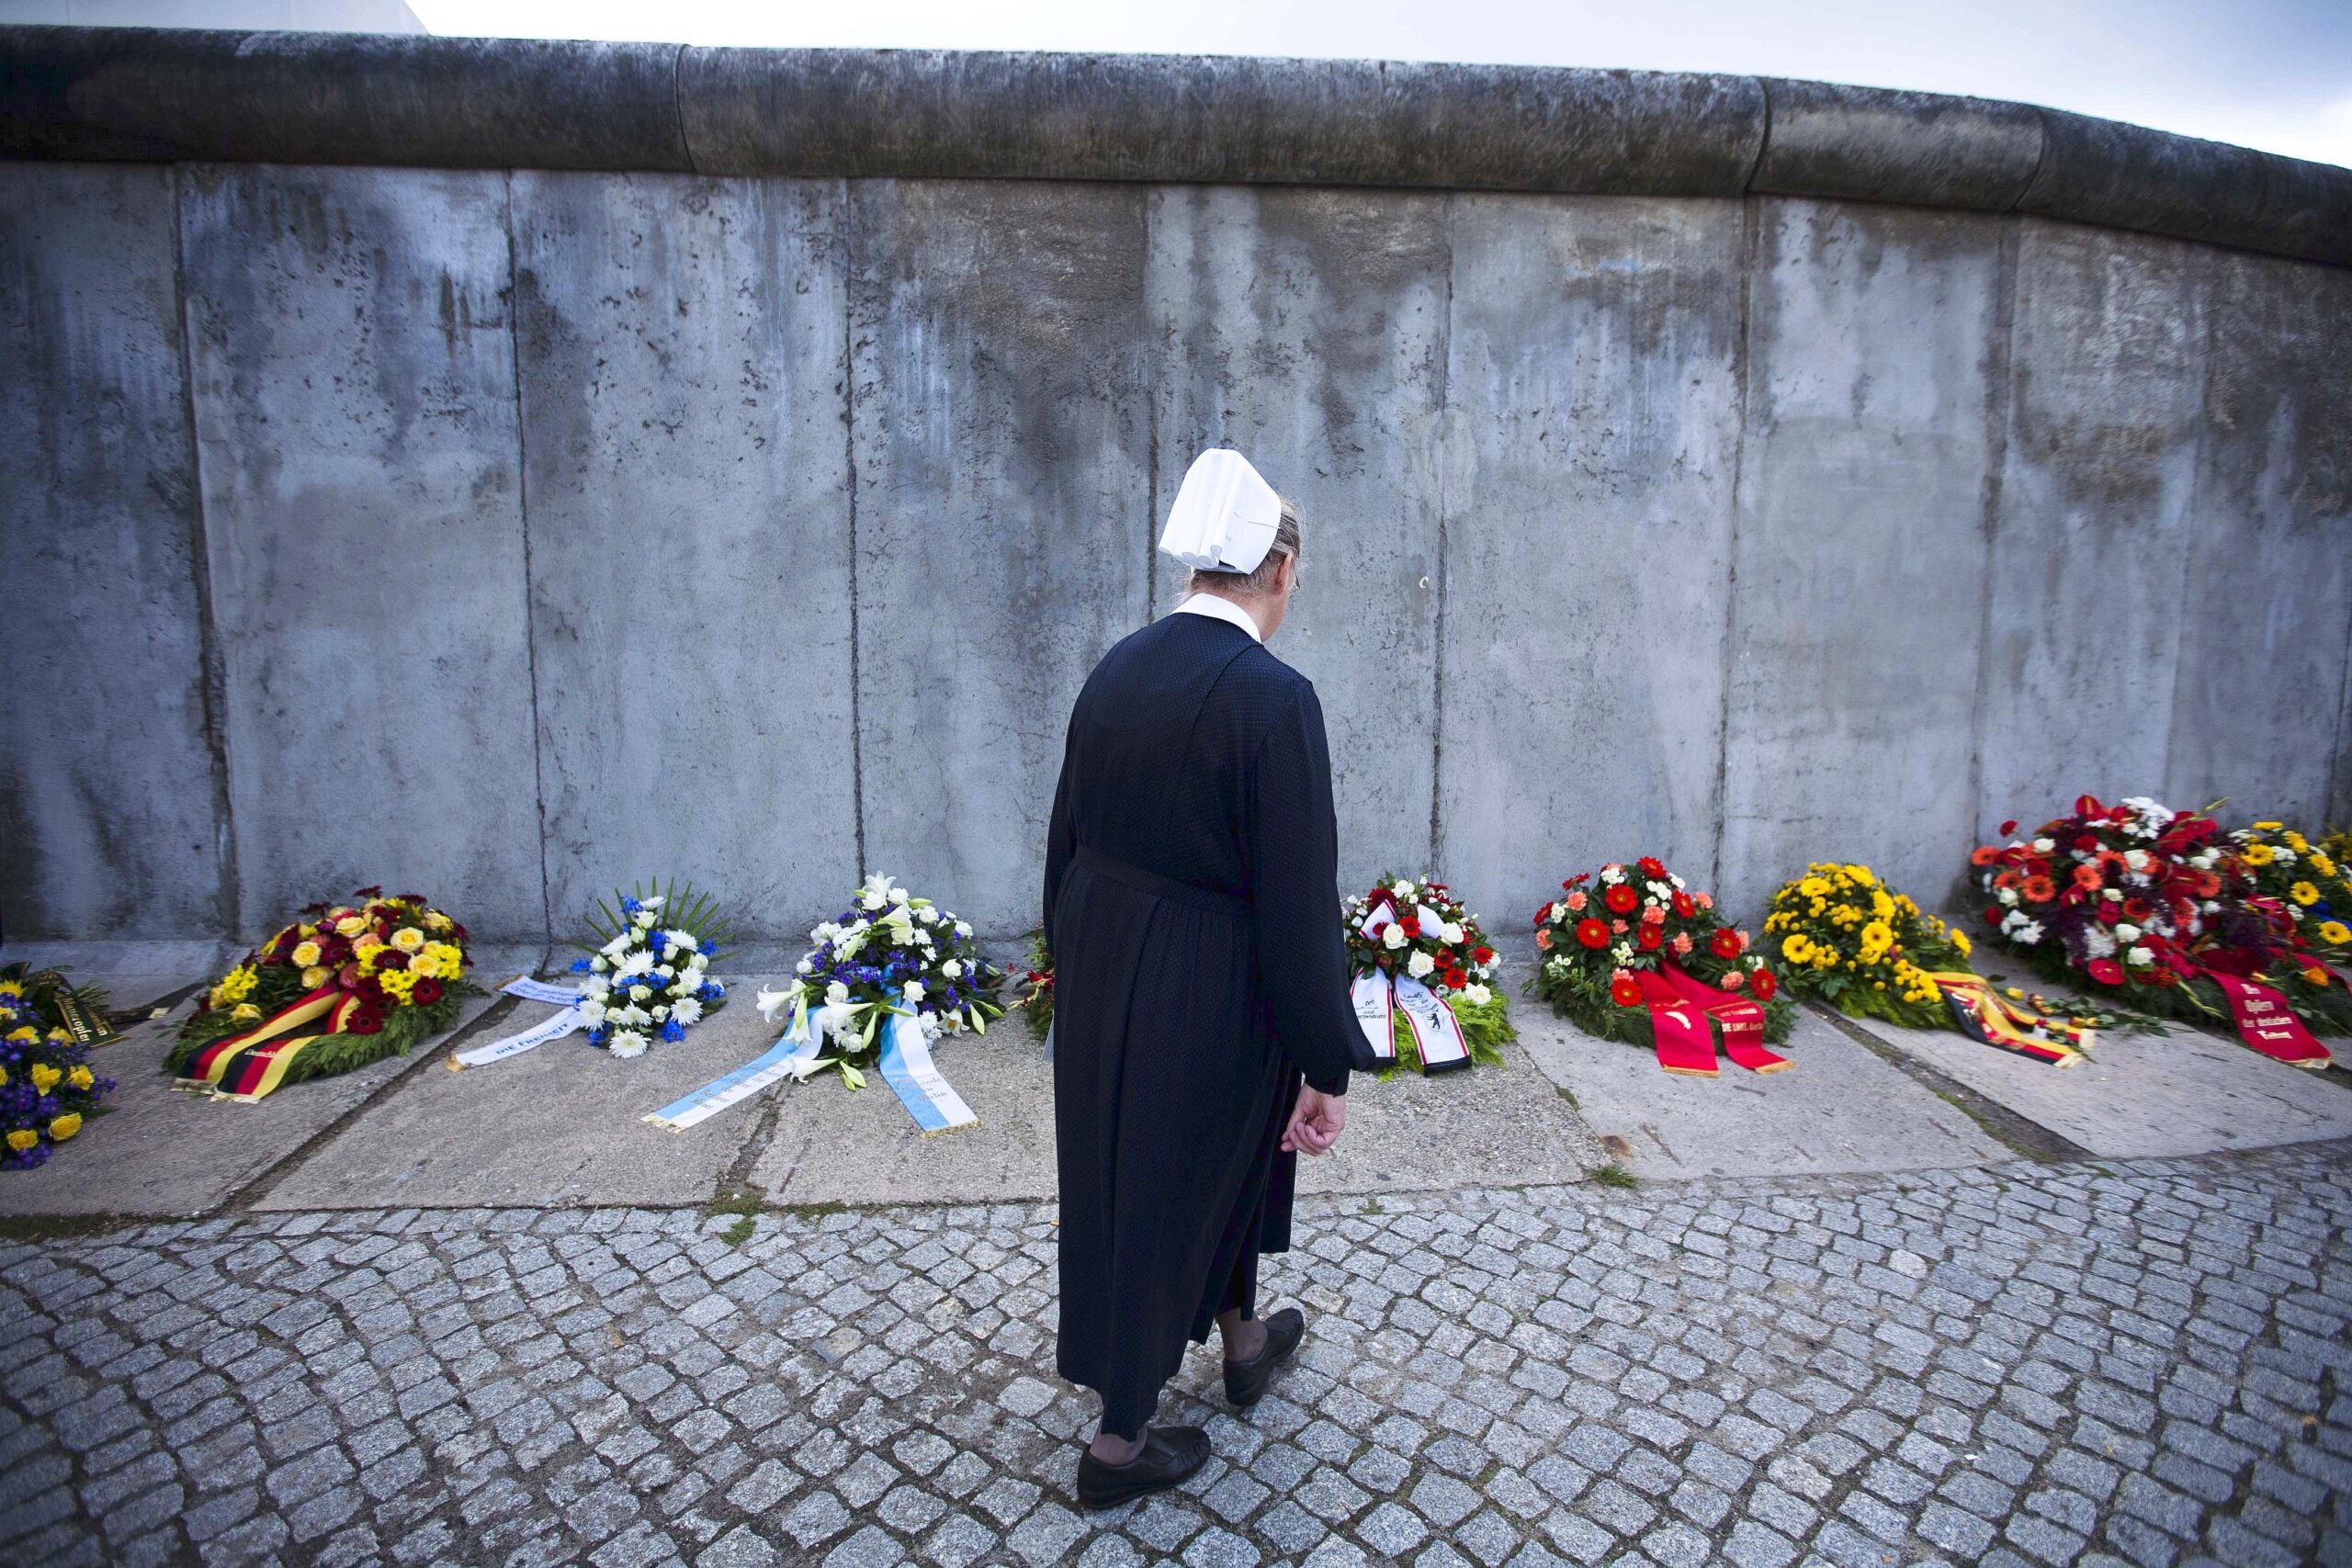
511	534
170	95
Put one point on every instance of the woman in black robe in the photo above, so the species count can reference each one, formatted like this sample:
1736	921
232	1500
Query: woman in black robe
1192	907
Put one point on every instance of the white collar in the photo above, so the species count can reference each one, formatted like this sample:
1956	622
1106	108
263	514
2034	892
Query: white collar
1219	608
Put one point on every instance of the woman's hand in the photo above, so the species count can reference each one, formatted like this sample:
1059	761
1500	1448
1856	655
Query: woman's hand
1315	1122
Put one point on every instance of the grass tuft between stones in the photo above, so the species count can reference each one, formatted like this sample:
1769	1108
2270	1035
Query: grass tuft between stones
1614	1174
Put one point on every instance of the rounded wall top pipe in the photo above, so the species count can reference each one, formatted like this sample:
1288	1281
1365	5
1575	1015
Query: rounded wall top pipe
98	93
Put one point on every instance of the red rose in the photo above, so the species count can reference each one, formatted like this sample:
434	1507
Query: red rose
1650	937
1765	985
1725	944
2106	970
425	992
1621	898
1992	915
2009	826
1625	991
1683	905
1653	868
1591	932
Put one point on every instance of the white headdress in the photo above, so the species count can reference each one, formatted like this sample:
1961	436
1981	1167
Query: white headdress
1224	516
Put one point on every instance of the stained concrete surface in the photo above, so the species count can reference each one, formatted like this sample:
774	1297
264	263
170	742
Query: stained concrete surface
560	1124
1839	1108
157	1151
2180	1092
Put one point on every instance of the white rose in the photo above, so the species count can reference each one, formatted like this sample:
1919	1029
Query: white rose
1403	890
667	971
1477	996
964	929
2008	896
953	968
639	993
2140	955
2113	894
599	963
2043	846
1420	964
661	1012
1452	932
836	994
803	967
627	1043
642	920
1392	936
912	990
2126	932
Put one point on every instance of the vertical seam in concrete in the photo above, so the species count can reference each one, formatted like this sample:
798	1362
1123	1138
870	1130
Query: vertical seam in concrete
850	231
1763	142
2163	786
213	682
1999	395
1748	224
1445	504
678	107
523	517
2041	151
1150	427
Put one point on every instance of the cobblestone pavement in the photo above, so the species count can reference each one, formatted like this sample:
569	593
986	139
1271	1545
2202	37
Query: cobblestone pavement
2140	1363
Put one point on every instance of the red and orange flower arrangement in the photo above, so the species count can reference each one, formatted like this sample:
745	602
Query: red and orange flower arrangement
345	985
1620	949
2160	910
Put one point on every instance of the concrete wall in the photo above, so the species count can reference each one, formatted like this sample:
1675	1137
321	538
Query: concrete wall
511	534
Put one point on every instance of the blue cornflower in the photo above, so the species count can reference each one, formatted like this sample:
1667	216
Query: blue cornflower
580	966
673	1031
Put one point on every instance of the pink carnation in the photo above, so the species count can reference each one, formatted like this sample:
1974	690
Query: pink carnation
1576	899
1704	900
1732	979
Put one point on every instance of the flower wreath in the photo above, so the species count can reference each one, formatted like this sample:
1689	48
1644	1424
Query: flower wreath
1407	934
1870	952
47	1086
2303	884
1638	948
2163	911
345	985
643	981
887	953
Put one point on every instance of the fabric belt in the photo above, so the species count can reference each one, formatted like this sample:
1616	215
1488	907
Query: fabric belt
1160	887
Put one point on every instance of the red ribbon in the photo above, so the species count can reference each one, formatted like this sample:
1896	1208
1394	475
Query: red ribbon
1683	1042
1741	1019
2265	1020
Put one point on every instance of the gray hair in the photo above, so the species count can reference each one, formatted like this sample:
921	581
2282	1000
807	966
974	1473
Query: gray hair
1262	580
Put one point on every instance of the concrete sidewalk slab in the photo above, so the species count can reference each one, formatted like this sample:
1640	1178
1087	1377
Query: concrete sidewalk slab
157	1151
1491	1126
2181	1092
1839	1108
560	1124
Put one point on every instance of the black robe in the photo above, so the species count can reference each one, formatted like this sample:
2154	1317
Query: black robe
1193	909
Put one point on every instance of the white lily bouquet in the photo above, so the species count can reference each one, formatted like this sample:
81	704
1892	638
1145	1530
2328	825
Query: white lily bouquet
889	956
645	979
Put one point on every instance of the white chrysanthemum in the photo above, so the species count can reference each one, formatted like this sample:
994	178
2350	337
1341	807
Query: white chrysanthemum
619	945
686	1010
627	1043
2027	933
1392	936
637	963
595	989
1420	964
928	1024
634	1016
593	1011
1612	874
2097	943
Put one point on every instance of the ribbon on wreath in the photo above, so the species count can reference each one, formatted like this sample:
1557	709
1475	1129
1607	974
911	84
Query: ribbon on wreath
1680	1005
2265	1020
1987	1017
1437	1033
908	1068
86	1027
246	1065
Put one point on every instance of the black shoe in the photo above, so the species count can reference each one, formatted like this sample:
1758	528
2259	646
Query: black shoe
1169	1454
1245	1382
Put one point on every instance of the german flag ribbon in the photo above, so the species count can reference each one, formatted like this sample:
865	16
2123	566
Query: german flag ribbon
1984	1015
246	1067
1683	1040
1742	1021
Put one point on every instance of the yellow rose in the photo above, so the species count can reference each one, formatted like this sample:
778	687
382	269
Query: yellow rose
306	954
350	925
64	1127
80	1078
247	1012
23	1139
313	979
437	921
425	966
408	939
45	1078
2304	893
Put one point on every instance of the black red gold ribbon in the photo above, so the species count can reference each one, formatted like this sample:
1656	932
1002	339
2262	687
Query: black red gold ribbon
247	1066
1984	1015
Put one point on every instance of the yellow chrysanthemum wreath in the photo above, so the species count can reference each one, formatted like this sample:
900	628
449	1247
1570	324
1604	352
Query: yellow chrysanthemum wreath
1862	947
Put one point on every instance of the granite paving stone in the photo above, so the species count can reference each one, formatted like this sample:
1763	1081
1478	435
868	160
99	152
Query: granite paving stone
2138	1362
